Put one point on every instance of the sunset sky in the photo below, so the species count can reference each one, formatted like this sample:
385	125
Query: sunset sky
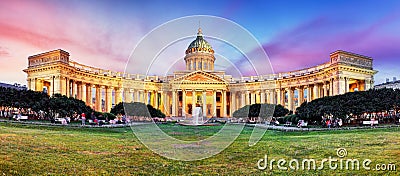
294	34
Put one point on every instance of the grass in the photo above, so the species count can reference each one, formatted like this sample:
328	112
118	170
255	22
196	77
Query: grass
26	149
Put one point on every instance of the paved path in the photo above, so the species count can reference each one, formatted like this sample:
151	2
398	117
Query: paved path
282	128
269	127
69	125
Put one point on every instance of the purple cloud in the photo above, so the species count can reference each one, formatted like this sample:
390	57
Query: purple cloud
310	43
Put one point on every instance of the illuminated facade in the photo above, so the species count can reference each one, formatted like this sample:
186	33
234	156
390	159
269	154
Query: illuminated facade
199	85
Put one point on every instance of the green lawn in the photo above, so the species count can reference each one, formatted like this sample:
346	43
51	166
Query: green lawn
36	150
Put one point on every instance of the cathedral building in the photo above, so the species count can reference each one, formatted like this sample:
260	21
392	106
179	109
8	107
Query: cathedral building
199	84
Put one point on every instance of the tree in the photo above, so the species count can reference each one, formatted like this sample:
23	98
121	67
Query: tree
136	109
280	111
351	104
64	106
265	109
59	105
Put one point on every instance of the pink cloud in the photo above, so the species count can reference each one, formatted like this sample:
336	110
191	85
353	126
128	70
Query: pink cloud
28	28
4	52
310	43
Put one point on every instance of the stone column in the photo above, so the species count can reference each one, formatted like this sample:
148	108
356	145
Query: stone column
309	98
279	97
193	100
162	103
137	95
325	88
223	103
98	98
84	93
342	85
242	99
156	104
166	103
233	103
108	102
272	97
118	97
204	99
247	97
79	92
51	86
34	84
262	97
184	103
29	84
73	84
89	99
146	97
300	99
315	91
336	86
253	98
149	97
174	103
330	88
57	85
290	99
68	87
214	103
63	86
126	95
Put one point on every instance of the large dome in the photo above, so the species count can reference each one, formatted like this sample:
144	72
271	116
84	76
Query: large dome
200	44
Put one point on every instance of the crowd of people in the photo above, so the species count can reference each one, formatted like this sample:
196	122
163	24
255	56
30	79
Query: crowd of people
100	120
12	113
329	121
84	118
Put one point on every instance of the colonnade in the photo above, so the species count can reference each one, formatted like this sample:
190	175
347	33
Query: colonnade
175	102
99	97
207	99
290	97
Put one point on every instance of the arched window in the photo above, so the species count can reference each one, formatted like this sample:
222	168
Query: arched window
194	65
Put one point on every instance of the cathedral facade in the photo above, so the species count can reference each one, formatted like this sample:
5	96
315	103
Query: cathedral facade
200	85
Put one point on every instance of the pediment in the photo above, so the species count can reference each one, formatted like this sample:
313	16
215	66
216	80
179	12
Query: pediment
200	77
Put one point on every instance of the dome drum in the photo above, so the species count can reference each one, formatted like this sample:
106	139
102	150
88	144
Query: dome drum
199	54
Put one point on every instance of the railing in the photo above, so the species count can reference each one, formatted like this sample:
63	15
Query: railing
275	76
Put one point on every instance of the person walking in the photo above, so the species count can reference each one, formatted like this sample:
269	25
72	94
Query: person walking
372	122
328	123
83	118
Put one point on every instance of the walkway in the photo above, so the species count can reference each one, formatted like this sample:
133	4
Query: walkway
283	128
268	127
